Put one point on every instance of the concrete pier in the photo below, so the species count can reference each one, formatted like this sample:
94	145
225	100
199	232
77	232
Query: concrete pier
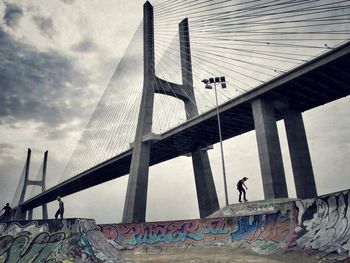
269	149
299	154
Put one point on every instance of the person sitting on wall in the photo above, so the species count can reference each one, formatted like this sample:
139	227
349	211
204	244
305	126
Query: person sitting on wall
241	190
8	211
60	210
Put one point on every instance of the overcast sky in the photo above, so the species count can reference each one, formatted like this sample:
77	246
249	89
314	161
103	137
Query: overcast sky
56	58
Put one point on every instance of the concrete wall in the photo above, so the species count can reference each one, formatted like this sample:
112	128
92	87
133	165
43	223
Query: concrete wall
264	233
321	224
324	225
68	240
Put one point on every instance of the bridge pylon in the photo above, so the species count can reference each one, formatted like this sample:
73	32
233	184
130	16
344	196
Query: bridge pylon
20	213
136	196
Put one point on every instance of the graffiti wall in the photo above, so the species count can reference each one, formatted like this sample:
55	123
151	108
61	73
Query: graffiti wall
321	224
69	240
324	225
263	233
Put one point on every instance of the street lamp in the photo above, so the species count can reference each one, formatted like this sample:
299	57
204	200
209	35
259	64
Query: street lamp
207	82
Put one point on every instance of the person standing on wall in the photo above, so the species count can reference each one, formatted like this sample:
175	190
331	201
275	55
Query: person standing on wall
60	210
8	211
241	190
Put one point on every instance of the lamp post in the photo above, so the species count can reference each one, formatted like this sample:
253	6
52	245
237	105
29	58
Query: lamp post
207	82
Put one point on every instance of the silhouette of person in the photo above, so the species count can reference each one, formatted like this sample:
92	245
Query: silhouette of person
60	210
241	190
8	211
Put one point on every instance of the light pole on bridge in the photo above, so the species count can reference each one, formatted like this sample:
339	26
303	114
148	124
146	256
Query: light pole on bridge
207	82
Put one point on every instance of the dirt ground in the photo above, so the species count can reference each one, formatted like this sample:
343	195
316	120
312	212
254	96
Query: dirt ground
224	255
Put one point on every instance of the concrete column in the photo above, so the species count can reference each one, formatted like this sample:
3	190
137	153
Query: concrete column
30	214
186	69
136	195
20	214
206	192
299	154
269	149
43	188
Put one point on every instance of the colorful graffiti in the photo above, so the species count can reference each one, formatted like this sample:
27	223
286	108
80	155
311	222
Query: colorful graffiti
71	240
171	232
23	249
15	228
250	230
264	233
321	224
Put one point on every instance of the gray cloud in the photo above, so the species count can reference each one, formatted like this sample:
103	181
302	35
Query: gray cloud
68	2
4	147
84	46
12	15
40	86
45	25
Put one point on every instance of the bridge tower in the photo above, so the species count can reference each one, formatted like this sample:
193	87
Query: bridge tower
20	213
136	196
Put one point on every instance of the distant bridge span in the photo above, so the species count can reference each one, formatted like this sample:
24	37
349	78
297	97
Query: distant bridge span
317	82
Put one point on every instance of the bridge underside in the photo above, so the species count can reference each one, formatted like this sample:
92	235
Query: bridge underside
322	80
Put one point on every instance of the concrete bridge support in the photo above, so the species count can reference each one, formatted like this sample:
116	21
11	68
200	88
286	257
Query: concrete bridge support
206	192
20	213
299	154
30	214
136	197
269	149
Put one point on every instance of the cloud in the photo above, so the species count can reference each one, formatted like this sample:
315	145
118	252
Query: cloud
84	46
68	2
4	147
13	15
45	25
39	86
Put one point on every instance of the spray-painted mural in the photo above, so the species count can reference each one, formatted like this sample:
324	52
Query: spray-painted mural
324	225
71	240
264	233
321	224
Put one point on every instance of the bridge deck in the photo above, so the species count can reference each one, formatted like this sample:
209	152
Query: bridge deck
322	80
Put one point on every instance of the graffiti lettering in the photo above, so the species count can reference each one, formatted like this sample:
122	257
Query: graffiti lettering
321	224
324	224
79	240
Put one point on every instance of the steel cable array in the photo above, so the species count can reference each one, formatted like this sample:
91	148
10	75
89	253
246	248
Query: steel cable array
248	42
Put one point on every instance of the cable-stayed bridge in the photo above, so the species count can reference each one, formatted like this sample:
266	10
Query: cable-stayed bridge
269	55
